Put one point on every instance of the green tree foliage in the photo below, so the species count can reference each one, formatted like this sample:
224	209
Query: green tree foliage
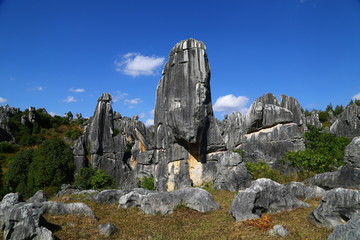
2	188
262	170
323	152
17	173
6	147
52	165
93	178
73	134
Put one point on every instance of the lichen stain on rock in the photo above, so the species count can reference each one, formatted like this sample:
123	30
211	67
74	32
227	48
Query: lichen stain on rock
195	170
173	169
133	162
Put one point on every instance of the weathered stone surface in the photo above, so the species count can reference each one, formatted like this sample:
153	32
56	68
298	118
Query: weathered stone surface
347	231
352	153
231	172
67	189
153	202
38	197
348	123
337	206
107	229
186	129
7	203
5	114
59	208
301	191
278	230
264	195
313	120
110	196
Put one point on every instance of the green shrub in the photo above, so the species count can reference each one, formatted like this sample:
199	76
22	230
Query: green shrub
93	178
73	134
262	170
6	147
240	151
323	152
53	165
17	174
147	183
116	132
101	180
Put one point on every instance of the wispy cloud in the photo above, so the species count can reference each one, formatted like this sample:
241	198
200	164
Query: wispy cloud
356	97
135	64
133	101
118	96
78	90
2	100
70	99
142	115
229	103
40	88
149	122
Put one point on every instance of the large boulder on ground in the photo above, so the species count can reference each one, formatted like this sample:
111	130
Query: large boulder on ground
302	191
38	197
153	202
110	196
107	229
264	195
337	206
347	231
59	208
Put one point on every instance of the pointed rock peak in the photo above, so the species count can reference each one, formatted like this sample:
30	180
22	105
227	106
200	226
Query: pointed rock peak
268	98
187	44
105	97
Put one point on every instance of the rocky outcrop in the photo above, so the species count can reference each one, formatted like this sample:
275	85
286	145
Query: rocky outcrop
110	196
348	123
302	191
269	130
186	130
23	220
153	202
349	230
347	176
107	229
264	195
5	114
337	206
107	143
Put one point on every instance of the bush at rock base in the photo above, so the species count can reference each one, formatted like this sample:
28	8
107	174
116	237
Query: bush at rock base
147	183
93	178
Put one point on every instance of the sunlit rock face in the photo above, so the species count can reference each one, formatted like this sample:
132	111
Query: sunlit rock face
186	129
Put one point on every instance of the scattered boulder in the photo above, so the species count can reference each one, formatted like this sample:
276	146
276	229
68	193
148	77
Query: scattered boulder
38	197
153	202
352	153
107	229
110	196
59	208
264	195
301	191
337	206
67	189
349	230
278	230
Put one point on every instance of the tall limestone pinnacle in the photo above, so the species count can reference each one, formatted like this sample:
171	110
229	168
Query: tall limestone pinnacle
185	125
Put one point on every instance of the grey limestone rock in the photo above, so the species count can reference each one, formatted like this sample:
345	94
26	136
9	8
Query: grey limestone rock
110	196
352	153
107	229
278	230
313	120
301	191
38	197
348	231
5	114
67	189
153	202
186	130
264	195
348	123
337	206
59	208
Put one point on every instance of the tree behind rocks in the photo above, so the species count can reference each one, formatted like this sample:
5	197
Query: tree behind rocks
52	165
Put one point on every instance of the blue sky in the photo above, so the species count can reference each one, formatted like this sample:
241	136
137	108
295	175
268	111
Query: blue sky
61	55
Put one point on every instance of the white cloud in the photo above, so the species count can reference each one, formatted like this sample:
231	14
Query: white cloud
142	115
149	122
356	97
133	101
78	90
135	64
118	96
40	88
229	103
53	114
70	99
152	112
2	100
